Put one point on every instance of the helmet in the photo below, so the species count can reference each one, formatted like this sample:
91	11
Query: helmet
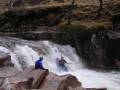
62	57
40	58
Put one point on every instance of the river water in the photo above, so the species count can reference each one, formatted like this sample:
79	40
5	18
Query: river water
25	54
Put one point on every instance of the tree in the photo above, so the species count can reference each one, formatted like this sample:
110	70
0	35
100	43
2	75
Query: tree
70	11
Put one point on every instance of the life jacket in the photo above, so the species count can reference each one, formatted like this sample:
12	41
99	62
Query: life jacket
62	61
39	64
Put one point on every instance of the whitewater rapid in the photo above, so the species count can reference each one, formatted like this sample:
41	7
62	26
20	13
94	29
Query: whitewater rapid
24	56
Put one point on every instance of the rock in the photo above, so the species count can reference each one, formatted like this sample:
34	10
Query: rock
38	76
6	78
117	63
5	59
4	84
11	79
54	82
26	72
116	22
77	88
30	78
15	83
6	72
95	89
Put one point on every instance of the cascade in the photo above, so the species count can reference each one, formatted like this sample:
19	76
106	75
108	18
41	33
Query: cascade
24	56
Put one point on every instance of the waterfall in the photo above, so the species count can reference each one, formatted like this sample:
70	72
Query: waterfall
25	55
57	51
13	57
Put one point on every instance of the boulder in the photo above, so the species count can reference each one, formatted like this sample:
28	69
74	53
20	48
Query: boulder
38	77
26	72
94	89
77	88
29	79
7	80
5	59
15	83
6	72
54	82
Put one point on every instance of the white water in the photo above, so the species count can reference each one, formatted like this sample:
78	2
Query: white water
25	56
13	57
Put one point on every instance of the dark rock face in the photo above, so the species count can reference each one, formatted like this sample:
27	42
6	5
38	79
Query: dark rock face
95	50
5	59
116	22
30	19
118	64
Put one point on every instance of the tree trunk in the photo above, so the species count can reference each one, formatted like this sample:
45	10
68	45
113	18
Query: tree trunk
100	9
70	12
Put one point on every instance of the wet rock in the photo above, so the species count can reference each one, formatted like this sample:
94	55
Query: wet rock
117	63
4	84
95	89
5	59
8	72
77	88
15	83
30	78
38	77
54	82
6	78
26	72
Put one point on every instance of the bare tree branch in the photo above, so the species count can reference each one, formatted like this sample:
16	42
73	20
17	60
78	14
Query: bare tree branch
100	8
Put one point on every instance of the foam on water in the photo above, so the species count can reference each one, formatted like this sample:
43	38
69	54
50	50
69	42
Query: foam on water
25	56
94	79
13	57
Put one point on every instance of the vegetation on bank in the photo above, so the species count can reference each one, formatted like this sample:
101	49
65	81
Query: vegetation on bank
56	13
